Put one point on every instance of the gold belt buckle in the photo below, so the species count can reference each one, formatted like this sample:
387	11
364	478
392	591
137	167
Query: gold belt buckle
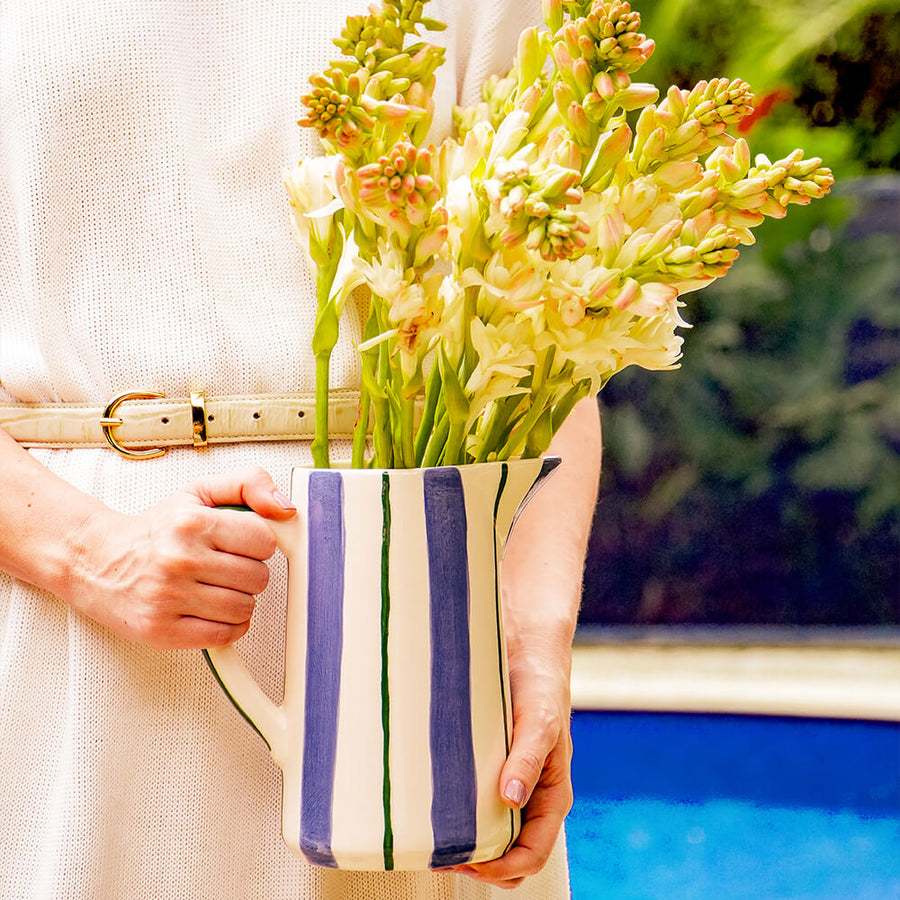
110	420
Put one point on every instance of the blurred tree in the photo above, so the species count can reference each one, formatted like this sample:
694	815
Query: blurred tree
831	63
761	482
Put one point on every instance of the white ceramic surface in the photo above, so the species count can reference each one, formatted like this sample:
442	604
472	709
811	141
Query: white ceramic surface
396	716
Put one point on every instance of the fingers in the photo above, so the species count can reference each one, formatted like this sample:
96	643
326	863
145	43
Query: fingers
542	820
536	775
208	566
251	487
224	532
190	633
536	732
217	604
182	574
187	615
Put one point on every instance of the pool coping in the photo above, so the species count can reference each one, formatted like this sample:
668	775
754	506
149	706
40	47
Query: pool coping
824	672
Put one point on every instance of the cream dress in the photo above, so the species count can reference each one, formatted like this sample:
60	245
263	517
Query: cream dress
144	243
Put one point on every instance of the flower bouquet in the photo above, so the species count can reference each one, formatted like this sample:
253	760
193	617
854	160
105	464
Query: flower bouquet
515	267
502	275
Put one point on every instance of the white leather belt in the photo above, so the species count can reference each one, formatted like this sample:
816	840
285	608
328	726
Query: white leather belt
143	424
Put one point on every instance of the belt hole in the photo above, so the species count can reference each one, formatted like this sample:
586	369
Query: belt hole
256	415
165	420
301	414
211	418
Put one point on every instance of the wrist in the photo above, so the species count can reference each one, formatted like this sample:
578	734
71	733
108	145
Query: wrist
41	515
72	554
541	650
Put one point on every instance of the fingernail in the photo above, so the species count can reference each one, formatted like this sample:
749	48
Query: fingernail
515	792
283	500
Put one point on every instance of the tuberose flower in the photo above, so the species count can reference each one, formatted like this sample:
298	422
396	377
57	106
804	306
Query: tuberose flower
543	248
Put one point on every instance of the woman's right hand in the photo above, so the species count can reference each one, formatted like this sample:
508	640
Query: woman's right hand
183	574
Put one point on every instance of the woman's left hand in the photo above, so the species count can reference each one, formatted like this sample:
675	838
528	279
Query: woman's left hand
542	571
536	777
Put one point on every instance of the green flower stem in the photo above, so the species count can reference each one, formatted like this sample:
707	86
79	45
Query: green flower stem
566	403
454	450
361	429
437	440
539	436
489	432
519	436
407	432
517	413
470	354
543	370
319	446
426	424
396	437
325	337
552	418
327	255
498	422
369	364
381	435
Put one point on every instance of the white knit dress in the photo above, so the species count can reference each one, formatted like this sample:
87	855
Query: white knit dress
144	243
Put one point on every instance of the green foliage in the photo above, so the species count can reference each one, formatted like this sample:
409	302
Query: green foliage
761	482
831	63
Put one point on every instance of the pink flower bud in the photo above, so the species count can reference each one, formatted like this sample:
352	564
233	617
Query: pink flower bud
676	101
652	299
627	294
661	239
678	175
610	231
637	96
604	86
553	14
583	75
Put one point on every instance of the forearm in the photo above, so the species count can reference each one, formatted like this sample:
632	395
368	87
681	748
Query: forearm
40	516
542	574
544	562
180	574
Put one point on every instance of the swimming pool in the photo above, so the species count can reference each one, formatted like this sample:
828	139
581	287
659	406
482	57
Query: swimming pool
687	806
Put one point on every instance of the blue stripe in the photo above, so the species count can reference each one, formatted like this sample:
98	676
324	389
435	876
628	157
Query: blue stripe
324	645
453	805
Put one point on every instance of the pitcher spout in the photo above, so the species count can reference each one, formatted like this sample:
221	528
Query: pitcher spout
521	480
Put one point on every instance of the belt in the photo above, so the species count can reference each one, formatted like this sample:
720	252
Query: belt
144	424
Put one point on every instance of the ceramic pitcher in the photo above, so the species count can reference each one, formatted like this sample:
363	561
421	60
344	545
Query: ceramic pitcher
396	716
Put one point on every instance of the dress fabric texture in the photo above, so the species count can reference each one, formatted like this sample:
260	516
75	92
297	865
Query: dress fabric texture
145	243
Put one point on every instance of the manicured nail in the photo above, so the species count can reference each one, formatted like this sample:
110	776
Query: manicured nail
283	500
515	792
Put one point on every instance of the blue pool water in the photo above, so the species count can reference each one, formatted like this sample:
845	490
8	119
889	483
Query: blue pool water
716	807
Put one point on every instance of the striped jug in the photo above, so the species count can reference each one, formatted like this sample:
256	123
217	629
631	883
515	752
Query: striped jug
396	716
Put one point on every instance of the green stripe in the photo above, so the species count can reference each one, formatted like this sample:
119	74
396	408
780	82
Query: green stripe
385	687
504	474
228	693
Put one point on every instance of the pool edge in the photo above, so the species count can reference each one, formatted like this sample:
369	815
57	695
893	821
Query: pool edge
836	679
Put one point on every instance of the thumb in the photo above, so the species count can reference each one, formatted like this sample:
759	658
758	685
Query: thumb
252	487
535	734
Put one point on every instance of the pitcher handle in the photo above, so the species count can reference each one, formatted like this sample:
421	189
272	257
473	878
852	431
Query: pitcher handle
233	676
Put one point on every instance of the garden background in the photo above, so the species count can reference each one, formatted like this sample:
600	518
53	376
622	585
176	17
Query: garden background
760	483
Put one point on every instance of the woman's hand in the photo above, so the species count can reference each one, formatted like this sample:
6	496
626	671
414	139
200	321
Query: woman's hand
542	571
182	574
536	776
